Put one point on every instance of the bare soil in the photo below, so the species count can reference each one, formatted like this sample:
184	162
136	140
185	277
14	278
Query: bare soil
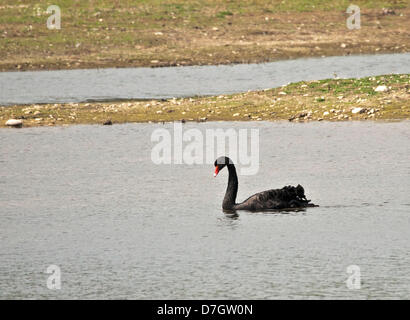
173	33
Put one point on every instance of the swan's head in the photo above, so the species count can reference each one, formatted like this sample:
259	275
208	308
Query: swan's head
220	163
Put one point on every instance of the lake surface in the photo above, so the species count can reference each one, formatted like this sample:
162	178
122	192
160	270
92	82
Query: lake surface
90	200
162	83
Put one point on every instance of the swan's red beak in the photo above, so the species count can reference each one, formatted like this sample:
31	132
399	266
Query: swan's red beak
216	171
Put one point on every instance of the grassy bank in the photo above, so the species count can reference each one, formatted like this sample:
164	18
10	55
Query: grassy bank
175	32
332	100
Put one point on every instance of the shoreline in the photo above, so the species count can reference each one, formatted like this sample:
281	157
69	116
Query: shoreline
19	66
172	65
383	97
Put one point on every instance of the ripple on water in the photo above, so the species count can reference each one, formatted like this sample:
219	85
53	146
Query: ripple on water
92	202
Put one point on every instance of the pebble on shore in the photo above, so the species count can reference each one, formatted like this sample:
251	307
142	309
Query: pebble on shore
16	123
381	89
358	110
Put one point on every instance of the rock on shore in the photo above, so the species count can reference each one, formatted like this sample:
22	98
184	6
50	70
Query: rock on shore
14	123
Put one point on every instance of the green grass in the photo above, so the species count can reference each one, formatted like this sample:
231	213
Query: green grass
223	14
147	13
354	85
166	9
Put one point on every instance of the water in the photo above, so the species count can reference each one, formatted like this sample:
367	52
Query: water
158	83
90	200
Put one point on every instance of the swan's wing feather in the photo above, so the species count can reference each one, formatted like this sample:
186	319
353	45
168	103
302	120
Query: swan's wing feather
287	197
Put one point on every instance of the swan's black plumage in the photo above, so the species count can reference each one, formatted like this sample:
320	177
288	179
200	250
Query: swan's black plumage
288	197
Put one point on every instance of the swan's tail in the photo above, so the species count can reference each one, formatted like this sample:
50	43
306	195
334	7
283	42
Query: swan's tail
297	194
300	192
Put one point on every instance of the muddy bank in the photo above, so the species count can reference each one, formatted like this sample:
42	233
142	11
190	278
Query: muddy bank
173	33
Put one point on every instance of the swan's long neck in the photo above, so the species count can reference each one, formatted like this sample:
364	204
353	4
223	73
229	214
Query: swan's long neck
232	189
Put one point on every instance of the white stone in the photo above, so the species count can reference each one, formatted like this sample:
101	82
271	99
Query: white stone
357	110
14	123
381	89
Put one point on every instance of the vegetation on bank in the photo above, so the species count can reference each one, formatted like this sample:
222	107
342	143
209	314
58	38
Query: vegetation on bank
378	98
175	32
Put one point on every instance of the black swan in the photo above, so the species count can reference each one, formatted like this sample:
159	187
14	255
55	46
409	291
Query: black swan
288	197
